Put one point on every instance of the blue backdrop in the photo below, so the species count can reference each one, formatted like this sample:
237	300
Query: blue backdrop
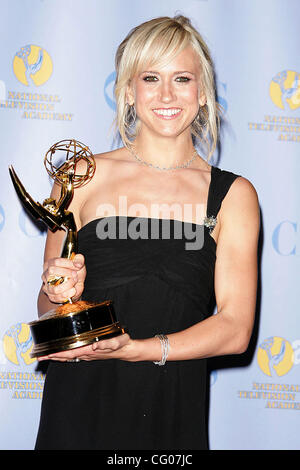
56	82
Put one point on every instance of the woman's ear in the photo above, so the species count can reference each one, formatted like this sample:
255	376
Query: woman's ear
130	94
202	98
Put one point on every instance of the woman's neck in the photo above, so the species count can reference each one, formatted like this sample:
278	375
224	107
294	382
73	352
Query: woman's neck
162	151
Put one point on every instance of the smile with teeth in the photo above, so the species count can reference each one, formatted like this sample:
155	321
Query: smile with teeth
169	112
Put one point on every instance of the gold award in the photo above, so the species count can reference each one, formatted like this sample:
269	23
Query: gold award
72	324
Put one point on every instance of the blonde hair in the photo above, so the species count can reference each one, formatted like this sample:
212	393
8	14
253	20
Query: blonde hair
156	42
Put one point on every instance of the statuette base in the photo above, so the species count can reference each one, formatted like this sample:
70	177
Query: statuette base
71	326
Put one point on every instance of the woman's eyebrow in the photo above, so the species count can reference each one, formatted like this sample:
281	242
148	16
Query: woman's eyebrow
173	73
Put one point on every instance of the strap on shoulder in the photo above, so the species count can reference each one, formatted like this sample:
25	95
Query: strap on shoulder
221	180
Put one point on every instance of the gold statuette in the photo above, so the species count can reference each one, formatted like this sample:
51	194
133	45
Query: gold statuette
72	324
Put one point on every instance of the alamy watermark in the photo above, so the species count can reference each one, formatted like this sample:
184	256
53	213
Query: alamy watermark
152	222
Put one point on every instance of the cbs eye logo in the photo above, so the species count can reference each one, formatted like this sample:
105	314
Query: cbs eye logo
32	65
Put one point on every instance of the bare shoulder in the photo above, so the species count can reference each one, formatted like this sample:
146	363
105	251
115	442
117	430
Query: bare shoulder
116	155
242	192
240	211
114	166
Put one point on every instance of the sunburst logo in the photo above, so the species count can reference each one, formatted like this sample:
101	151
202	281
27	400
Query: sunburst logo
32	65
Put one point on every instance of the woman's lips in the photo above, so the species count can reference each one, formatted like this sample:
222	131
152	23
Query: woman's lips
167	113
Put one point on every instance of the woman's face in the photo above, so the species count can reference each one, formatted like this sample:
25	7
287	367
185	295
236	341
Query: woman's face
167	98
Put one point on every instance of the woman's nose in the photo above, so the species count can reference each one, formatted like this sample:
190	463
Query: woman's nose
167	92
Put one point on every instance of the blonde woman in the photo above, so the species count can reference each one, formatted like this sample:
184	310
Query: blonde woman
191	233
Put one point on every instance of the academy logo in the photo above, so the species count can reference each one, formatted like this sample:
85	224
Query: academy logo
32	65
17	344
285	90
275	356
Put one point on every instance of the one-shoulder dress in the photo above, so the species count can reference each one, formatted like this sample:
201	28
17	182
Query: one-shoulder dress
157	285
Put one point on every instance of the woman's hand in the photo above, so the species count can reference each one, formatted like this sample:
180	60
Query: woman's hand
120	347
74	272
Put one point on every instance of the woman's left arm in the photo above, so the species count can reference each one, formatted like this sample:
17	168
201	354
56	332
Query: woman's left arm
229	330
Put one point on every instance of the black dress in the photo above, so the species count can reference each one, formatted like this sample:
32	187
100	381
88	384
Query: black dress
157	286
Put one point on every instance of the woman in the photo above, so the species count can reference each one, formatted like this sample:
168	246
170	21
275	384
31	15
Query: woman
147	389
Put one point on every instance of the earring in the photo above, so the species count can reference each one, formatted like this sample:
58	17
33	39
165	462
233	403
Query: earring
202	116
130	116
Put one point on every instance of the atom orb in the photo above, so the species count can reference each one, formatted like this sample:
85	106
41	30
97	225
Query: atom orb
70	155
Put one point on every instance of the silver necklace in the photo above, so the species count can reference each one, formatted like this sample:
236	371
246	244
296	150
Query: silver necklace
183	165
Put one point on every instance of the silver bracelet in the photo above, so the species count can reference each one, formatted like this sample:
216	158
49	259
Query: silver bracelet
164	343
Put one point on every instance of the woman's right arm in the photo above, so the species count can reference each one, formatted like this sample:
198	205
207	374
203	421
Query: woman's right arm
74	270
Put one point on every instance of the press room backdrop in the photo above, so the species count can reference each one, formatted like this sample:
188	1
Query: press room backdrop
56	82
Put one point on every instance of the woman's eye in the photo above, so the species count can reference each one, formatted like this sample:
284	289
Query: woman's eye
182	79
150	78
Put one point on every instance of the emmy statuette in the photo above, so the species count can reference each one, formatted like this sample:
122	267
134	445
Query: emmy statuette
72	324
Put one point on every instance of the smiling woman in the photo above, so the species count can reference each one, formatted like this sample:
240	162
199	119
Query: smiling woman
153	45
146	389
